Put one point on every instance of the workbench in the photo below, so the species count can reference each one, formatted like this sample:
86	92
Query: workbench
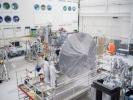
101	88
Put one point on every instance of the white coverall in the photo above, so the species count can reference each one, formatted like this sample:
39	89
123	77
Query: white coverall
45	69
52	75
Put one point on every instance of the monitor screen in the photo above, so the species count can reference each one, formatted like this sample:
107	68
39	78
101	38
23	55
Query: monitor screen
16	44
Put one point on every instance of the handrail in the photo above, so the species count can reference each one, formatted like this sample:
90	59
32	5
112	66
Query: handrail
77	77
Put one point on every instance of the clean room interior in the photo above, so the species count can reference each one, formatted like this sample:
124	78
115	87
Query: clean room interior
66	50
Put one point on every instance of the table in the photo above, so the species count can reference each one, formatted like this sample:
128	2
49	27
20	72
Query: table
100	87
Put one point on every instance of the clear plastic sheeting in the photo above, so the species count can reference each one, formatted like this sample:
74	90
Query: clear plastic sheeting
78	55
60	39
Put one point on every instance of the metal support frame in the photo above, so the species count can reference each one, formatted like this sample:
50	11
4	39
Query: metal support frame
78	15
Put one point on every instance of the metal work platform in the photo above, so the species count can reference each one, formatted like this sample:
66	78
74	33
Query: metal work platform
66	89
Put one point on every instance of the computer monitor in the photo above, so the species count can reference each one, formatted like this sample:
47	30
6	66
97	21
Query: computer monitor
16	44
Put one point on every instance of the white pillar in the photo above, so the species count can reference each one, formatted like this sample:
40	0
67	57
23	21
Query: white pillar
130	36
131	23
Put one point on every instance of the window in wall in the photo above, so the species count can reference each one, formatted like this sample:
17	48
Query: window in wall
16	19
15	6
74	8
65	8
6	5
36	7
49	7
0	5
69	8
7	19
43	7
1	19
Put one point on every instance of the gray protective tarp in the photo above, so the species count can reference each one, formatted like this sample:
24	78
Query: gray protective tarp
78	55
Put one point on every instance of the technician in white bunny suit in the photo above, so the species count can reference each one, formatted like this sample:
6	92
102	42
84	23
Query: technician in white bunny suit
45	69
53	74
